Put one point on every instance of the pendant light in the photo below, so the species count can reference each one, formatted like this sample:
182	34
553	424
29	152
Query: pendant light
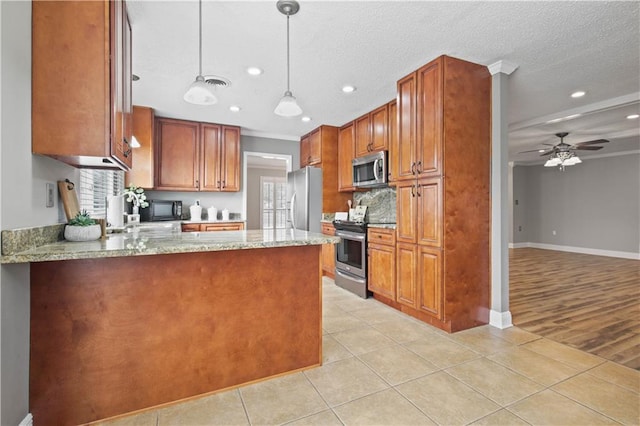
199	92
288	106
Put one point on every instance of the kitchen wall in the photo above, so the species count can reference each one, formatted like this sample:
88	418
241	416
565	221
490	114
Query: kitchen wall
22	202
253	193
234	201
593	205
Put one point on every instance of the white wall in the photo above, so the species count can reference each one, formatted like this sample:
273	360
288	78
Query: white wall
592	205
22	202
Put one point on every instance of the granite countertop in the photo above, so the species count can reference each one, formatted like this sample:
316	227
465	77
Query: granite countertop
150	242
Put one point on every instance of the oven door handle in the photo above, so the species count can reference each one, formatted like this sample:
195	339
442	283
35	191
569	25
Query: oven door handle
351	235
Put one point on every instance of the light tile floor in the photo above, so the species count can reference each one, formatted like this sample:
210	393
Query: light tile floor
381	367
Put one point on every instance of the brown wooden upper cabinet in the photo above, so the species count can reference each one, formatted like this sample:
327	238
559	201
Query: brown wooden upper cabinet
192	156
346	150
81	85
371	131
311	149
142	167
420	123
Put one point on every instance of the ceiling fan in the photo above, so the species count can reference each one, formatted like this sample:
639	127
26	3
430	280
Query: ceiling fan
562	154
565	147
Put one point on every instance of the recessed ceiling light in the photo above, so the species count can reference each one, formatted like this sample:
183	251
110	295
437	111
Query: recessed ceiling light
348	89
578	94
632	116
254	71
306	119
234	108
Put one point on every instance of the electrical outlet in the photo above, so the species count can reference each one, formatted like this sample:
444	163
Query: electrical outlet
516	202
519	228
49	194
553	232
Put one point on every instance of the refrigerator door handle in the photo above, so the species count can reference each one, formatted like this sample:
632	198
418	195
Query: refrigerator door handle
292	211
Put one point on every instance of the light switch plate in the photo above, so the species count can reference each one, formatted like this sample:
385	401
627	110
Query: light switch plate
49	194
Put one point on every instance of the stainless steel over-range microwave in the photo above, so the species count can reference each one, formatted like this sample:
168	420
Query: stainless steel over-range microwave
371	170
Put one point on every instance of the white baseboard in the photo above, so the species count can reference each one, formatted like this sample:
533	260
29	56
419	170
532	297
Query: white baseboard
27	421
583	250
500	320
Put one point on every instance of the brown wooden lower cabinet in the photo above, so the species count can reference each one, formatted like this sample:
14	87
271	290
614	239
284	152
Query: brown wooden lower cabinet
419	280
207	227
328	252
381	252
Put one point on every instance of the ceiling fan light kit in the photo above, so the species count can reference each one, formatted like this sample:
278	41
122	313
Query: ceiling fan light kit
288	106
199	92
562	154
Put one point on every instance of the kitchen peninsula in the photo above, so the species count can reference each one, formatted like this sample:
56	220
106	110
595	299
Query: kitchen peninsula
140	320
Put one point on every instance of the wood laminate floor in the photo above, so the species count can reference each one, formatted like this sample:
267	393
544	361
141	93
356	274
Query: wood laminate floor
588	302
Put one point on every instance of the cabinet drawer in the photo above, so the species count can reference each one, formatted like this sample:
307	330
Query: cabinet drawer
222	226
190	227
381	236
328	229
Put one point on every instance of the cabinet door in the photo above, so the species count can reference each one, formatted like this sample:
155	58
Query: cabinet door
304	151
210	157
230	159
142	166
345	158
363	136
328	251
406	212
127	131
382	270
406	274
177	155
429	279
405	154
429	199
392	128
379	122
120	148
429	143
315	148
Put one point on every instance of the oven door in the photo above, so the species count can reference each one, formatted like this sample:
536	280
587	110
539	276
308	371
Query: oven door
351	256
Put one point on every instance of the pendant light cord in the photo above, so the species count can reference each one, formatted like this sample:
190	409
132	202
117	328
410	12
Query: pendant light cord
200	37
288	62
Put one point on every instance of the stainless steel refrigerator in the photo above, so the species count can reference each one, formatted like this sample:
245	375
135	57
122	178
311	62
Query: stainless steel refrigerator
304	199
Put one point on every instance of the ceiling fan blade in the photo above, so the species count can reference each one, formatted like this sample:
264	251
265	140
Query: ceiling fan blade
531	150
550	151
588	148
592	142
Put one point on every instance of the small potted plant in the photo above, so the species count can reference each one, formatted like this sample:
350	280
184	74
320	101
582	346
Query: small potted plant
82	228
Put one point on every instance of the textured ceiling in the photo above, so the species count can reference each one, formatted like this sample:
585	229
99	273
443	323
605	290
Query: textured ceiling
559	47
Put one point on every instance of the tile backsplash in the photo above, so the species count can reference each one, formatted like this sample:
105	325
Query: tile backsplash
380	202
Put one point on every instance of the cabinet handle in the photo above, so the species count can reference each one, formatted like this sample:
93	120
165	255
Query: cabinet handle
224	184
197	183
219	185
128	151
418	191
420	166
413	191
413	168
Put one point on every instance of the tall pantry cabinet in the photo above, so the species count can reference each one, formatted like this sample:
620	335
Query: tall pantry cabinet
443	194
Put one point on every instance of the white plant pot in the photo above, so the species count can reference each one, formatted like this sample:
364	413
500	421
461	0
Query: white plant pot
82	233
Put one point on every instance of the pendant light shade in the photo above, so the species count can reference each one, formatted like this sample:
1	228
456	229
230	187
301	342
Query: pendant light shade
288	106
200	93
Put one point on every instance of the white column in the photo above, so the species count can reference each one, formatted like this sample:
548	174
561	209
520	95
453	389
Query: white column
500	316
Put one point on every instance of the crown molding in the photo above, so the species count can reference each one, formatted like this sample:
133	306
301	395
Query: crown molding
503	66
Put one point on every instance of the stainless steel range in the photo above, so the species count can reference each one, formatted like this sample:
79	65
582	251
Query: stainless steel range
351	256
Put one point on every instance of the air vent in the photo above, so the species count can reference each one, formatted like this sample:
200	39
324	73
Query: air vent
218	82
